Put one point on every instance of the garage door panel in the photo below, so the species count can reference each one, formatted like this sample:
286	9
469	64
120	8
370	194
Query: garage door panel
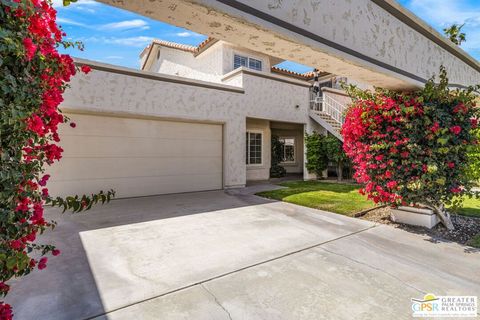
127	127
134	187
137	157
94	168
98	146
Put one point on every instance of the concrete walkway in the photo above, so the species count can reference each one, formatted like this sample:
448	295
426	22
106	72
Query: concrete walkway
232	255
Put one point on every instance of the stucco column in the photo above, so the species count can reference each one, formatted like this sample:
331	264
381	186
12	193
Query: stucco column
234	153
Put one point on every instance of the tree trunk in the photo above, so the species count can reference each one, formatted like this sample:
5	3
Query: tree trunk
443	214
339	171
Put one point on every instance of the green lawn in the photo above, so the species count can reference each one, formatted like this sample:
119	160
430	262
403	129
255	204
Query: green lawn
340	198
471	207
475	241
334	197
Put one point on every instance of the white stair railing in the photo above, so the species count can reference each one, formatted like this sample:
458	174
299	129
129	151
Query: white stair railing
334	109
328	105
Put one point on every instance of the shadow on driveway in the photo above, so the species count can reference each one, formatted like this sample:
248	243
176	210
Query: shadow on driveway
67	289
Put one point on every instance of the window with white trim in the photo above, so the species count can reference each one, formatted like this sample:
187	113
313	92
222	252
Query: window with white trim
251	63
255	64
288	149
254	147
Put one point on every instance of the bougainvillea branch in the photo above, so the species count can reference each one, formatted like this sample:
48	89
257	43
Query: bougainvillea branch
33	77
414	148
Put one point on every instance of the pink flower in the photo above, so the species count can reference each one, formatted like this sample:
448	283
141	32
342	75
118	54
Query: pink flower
5	311
474	123
86	69
392	184
435	127
30	48
456	190
37	211
455	130
4	287
451	165
43	181
460	108
42	264
16	244
31	236
55	252
379	157
23	205
73	124
35	124
404	154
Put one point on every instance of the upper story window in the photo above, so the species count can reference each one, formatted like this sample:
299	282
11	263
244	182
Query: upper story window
251	63
255	64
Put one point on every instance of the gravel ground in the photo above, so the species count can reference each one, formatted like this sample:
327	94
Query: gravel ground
465	227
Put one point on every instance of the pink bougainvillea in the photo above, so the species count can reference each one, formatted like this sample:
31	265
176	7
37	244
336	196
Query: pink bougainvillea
412	148
33	77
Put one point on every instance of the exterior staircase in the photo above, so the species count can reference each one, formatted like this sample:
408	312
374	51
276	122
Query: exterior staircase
329	113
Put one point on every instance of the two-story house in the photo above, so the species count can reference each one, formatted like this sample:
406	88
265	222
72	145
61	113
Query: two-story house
194	118
213	59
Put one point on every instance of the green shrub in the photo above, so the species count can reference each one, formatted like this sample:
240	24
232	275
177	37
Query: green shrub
317	158
276	170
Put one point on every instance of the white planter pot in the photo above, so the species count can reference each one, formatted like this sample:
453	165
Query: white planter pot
415	216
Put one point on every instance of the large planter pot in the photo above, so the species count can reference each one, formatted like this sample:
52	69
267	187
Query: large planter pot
423	217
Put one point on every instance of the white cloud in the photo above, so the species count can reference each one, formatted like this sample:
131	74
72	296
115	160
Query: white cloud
80	4
444	13
63	21
187	34
139	41
127	24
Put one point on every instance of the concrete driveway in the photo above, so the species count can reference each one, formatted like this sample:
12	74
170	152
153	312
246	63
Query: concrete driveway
232	255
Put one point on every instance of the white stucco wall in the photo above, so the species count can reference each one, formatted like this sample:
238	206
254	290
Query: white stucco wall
209	65
260	171
117	90
206	66
230	50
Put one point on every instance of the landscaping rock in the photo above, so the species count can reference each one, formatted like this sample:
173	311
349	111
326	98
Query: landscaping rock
465	227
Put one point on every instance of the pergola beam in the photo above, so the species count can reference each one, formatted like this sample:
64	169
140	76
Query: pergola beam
372	41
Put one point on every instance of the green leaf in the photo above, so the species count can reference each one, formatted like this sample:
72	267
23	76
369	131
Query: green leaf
442	141
11	262
68	2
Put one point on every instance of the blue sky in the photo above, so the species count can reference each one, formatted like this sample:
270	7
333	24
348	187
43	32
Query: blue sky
116	36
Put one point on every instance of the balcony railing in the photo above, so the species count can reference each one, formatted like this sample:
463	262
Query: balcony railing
326	104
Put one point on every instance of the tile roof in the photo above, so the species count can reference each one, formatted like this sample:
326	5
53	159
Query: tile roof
209	41
184	47
303	76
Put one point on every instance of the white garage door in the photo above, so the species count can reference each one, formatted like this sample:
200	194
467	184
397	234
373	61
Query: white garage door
137	157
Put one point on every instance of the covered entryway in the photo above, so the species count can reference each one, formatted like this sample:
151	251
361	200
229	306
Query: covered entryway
137	156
